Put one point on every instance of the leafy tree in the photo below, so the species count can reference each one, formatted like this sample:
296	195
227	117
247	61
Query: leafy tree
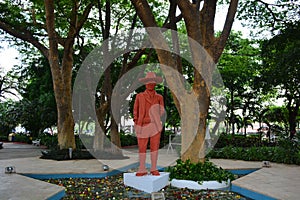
238	67
8	118
276	114
49	26
37	107
281	69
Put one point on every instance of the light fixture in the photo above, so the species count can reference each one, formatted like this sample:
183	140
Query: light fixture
266	163
105	167
10	169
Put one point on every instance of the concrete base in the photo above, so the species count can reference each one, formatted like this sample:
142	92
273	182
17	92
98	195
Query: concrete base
146	183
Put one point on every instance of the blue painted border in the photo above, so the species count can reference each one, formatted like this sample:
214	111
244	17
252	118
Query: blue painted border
249	193
57	196
242	171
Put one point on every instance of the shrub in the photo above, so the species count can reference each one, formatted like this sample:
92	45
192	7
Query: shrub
49	140
3	138
21	138
207	171
127	139
238	141
288	154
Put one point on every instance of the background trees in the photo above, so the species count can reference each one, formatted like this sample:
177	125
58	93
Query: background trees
238	66
37	107
281	69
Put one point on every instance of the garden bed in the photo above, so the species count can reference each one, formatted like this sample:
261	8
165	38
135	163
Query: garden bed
112	187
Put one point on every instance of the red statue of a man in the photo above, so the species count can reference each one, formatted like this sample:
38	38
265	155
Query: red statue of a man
147	112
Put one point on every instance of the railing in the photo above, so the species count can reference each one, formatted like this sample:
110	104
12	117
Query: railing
174	140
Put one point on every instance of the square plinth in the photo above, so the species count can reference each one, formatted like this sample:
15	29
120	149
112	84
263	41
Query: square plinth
147	183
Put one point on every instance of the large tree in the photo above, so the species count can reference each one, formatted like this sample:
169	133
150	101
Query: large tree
199	19
50	26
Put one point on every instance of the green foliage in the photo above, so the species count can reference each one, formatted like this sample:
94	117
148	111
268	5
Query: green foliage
8	85
281	69
238	141
199	172
287	154
268	15
284	151
22	138
37	109
238	68
3	138
281	61
275	114
127	139
8	117
50	141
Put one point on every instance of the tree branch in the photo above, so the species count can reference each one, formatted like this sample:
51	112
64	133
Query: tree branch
84	17
24	35
221	42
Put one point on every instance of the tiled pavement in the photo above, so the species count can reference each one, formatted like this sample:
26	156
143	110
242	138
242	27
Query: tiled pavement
279	181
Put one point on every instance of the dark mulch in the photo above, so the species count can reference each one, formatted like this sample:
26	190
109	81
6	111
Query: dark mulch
79	154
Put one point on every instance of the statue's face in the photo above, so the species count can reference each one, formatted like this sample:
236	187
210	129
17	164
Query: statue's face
150	86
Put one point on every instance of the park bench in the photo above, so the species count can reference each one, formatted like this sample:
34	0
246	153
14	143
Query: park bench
36	142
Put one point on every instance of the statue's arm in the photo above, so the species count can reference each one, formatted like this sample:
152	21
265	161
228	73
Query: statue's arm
162	106
136	109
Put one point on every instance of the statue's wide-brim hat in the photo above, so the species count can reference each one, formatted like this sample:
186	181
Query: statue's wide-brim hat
151	78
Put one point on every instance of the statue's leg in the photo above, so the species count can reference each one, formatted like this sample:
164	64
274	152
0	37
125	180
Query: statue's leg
142	143
154	147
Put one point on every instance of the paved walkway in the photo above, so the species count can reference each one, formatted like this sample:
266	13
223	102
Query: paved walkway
279	181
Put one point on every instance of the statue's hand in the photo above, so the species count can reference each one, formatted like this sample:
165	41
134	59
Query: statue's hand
138	129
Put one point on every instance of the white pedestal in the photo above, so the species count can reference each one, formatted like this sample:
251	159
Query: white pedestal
147	183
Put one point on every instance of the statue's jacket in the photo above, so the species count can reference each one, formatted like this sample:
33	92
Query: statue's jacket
148	110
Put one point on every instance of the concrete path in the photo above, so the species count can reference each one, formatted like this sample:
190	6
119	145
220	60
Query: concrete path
279	181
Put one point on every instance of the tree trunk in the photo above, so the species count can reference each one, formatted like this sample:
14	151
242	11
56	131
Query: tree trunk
62	76
293	113
98	143
65	126
115	138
